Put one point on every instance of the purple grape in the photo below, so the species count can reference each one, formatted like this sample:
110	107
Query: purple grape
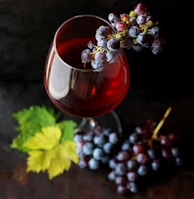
123	156
121	169
86	55
98	153
78	137
97	64
112	164
132	176
143	39
126	145
121	189
88	137
93	164
142	170
138	148
100	56
99	140
175	151
83	163
155	164
113	44
102	43
133	31
113	138
111	176
179	161
108	147
133	138
112	56
156	46
105	159
102	32
152	153
166	152
142	158
155	31
113	19
132	187
120	180
132	164
88	148
141	19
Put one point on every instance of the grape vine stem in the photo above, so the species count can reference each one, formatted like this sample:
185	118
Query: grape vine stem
158	127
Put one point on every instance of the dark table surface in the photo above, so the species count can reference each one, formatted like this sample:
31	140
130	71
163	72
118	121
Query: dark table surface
139	105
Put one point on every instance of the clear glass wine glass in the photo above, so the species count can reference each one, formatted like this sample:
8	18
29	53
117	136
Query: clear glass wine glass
89	94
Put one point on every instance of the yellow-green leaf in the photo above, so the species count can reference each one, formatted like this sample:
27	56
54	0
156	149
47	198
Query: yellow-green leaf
55	160
59	163
47	139
34	161
63	155
70	151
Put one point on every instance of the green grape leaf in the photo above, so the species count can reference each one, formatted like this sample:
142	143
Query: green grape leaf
31	120
68	129
34	118
48	153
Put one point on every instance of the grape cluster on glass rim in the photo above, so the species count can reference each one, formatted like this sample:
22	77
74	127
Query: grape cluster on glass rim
136	30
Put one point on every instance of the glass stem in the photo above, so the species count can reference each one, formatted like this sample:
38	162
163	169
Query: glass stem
87	124
118	123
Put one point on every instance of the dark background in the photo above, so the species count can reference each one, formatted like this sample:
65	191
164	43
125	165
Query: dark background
26	30
27	27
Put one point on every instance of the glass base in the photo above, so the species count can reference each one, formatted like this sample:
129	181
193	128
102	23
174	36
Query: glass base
110	120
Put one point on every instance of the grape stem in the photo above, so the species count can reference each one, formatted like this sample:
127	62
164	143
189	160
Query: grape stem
158	127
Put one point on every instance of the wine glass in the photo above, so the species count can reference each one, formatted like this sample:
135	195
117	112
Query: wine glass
86	93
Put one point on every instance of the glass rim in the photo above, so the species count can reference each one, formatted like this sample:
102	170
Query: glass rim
60	27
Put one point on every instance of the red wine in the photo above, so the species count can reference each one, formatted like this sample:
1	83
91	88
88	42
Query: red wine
81	91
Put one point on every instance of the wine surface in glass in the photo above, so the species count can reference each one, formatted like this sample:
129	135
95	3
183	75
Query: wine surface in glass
80	91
